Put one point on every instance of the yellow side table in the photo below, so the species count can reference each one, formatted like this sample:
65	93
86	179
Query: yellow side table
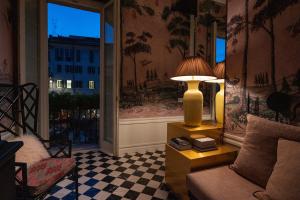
181	163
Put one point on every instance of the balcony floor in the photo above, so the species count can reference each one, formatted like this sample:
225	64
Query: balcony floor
133	176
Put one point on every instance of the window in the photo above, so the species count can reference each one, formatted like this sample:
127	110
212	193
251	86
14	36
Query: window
67	68
220	49
49	56
59	54
56	54
50	84
91	70
59	83
69	84
58	68
77	84
78	56
91	56
91	85
69	53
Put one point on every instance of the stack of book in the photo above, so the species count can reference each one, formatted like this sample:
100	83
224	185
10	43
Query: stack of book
204	144
180	143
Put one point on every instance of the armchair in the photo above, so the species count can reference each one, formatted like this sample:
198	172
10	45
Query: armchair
19	113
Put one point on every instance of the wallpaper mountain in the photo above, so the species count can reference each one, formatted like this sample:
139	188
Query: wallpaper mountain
262	63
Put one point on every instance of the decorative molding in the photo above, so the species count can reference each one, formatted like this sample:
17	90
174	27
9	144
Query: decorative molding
149	120
141	148
155	120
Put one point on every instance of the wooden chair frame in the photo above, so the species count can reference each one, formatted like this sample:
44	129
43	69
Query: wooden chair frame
19	111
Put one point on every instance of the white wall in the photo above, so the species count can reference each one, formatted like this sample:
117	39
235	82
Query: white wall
140	135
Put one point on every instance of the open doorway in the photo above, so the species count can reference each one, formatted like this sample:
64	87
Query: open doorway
74	74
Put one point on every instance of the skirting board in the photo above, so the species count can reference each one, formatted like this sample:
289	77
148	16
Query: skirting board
141	148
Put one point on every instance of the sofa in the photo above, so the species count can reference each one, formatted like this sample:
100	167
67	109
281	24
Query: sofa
267	167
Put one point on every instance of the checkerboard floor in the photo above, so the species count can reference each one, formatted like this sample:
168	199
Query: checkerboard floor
133	176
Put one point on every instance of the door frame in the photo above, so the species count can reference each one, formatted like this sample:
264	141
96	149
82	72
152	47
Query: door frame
106	147
43	57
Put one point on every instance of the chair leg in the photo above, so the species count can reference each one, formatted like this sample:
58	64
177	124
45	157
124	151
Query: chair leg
75	178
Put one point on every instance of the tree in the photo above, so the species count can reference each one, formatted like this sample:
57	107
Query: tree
264	19
177	17
136	45
139	9
147	75
285	87
296	81
294	29
236	25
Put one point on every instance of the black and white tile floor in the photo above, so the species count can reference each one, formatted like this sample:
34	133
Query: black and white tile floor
133	176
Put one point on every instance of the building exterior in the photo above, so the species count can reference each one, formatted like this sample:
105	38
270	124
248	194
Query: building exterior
74	64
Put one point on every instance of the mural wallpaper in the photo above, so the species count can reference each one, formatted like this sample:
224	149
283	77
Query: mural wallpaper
155	39
262	63
7	40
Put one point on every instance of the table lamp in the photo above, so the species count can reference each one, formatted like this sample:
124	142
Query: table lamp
219	72
193	70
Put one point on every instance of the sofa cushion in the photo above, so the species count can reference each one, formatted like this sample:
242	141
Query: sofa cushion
32	151
284	183
220	183
258	154
45	173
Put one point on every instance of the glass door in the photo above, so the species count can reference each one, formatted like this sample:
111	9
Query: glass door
108	80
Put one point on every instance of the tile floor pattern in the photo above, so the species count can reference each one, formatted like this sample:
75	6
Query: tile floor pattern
133	176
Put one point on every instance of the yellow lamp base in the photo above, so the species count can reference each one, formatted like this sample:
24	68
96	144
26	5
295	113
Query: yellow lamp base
193	104
219	105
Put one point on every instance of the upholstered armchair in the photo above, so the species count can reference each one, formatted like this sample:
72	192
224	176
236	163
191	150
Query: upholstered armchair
40	164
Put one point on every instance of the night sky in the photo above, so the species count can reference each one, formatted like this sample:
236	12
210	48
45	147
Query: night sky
221	48
67	21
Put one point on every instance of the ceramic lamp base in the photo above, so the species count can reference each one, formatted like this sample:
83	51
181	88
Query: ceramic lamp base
193	104
220	105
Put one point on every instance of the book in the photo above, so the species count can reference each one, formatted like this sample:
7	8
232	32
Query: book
180	143
205	149
205	142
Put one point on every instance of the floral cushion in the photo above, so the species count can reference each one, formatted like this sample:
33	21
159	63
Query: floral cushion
45	173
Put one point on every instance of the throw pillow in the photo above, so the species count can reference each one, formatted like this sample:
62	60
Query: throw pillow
258	154
284	183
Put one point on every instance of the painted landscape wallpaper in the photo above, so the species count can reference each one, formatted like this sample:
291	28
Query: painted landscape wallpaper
150	58
7	41
155	39
262	63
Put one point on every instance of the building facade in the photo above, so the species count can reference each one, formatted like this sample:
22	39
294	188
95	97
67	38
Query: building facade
74	64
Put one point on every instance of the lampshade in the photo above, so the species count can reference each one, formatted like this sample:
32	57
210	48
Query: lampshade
193	68
219	72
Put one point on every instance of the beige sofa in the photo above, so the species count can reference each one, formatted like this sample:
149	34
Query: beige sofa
267	167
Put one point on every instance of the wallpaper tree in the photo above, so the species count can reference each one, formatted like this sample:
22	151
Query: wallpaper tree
294	29
135	45
264	19
177	17
137	9
270	79
236	25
